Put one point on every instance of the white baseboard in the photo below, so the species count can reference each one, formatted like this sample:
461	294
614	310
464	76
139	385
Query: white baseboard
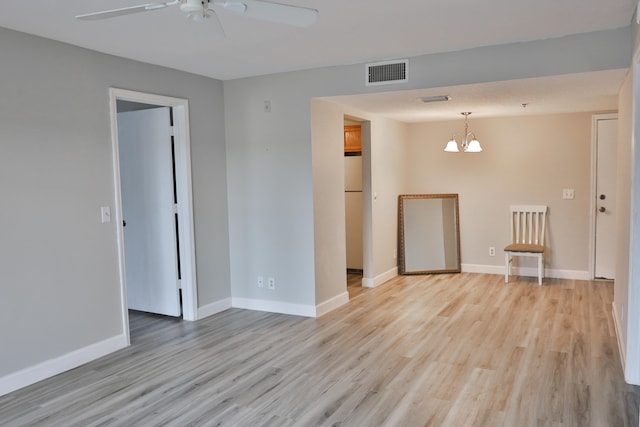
620	339
564	274
527	271
332	304
49	368
213	308
485	269
274	306
380	279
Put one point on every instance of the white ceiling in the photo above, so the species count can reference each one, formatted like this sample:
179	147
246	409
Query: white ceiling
596	91
347	31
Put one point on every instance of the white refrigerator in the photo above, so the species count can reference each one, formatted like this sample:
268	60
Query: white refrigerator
353	210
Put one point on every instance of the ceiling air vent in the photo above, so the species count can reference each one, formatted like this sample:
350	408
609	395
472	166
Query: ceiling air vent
387	72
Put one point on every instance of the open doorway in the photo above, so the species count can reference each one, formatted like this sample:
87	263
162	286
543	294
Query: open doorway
357	179
353	204
173	233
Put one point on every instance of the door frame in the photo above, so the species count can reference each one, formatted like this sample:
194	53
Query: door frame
594	176
368	270
182	142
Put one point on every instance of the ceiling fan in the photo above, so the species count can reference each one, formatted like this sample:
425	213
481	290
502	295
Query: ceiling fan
197	10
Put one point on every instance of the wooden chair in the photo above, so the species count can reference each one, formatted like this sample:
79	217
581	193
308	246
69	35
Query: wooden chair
527	237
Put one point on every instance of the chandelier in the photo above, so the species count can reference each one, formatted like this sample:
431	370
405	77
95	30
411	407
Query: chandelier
469	142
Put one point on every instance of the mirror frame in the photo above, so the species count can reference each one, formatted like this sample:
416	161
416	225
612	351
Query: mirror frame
401	238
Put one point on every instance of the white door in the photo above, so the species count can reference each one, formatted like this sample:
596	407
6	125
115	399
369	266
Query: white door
606	152
148	202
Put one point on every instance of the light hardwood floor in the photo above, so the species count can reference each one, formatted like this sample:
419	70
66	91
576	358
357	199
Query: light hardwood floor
440	350
354	285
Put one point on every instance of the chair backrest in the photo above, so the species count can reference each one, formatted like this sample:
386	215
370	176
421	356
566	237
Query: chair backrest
528	224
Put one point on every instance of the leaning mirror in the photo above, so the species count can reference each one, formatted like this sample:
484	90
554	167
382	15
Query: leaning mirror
428	233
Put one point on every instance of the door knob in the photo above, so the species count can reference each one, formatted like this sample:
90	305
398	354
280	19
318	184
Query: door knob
602	197
602	209
124	223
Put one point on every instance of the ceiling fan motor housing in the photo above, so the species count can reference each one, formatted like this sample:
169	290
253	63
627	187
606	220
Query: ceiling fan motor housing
191	6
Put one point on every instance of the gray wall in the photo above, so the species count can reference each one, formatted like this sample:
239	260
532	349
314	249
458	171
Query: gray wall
60	289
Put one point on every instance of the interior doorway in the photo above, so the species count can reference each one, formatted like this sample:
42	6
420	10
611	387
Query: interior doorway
358	204
182	226
147	183
353	204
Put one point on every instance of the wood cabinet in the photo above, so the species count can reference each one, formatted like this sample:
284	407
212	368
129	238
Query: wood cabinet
352	139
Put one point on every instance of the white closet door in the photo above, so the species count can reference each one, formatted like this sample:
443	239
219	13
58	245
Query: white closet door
150	242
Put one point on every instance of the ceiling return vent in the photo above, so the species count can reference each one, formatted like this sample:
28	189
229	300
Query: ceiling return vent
387	72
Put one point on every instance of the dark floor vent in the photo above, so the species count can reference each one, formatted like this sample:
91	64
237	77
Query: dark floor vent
387	72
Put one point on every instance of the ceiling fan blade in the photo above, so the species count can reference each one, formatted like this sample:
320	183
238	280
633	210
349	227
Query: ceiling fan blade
125	11
273	12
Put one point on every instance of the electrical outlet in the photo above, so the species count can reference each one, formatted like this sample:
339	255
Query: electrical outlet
492	251
568	194
260	282
271	283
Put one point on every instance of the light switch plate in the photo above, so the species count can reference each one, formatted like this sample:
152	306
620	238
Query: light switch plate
105	214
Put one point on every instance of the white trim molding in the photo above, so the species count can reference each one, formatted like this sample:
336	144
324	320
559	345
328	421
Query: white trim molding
527	271
332	303
620	338
214	308
185	196
379	279
66	362
485	269
274	306
560	274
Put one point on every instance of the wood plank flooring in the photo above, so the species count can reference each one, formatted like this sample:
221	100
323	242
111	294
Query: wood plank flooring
354	285
439	350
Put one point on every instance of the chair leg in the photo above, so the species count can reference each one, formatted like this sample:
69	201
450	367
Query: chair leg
540	271
507	268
